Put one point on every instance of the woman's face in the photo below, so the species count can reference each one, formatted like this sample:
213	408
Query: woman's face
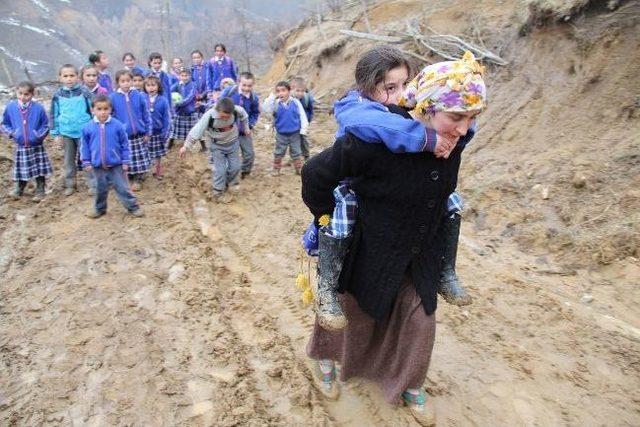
449	124
392	87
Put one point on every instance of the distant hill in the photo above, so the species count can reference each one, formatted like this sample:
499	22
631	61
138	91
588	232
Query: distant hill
41	35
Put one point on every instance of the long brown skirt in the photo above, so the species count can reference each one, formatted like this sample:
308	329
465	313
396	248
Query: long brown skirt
394	353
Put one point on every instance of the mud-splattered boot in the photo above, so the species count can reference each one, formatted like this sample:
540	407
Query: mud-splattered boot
450	286
331	253
18	189
40	184
297	164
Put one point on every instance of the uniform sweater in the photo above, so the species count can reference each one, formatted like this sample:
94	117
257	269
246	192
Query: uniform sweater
218	69
131	109
251	103
104	145
160	114
165	82
104	80
289	116
27	126
188	104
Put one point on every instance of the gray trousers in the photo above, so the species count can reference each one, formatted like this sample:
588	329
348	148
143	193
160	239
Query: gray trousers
71	152
248	154
284	140
225	159
304	146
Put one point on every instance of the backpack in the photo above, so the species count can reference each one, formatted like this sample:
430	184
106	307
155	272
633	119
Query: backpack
211	123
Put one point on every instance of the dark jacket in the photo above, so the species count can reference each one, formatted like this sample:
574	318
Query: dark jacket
401	204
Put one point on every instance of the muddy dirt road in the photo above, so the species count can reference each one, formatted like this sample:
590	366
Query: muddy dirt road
190	316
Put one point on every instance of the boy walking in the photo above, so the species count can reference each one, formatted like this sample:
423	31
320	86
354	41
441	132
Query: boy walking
243	96
70	112
219	126
290	122
105	152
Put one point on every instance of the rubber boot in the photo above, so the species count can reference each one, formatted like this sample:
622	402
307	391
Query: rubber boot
277	165
331	253
297	164
450	286
39	194
18	189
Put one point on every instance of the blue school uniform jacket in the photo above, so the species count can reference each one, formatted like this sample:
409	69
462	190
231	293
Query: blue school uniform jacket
219	69
188	104
164	81
104	145
104	80
28	127
251	104
199	78
131	109
160	115
287	117
70	110
371	122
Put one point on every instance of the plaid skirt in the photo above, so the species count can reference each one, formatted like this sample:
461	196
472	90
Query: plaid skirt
182	125
30	163
139	155
157	146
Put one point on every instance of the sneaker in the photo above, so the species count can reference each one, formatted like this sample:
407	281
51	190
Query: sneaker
95	214
326	382
69	191
234	188
421	408
137	213
244	174
38	197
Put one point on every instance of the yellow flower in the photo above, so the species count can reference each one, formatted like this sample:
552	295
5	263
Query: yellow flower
307	296
324	220
302	282
454	84
472	99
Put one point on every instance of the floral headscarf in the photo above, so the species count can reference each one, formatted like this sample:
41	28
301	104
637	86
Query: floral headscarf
452	86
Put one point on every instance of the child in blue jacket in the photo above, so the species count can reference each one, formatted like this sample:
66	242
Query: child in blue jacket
185	116
100	60
244	96
26	123
219	67
155	69
130	108
105	152
70	111
363	114
161	122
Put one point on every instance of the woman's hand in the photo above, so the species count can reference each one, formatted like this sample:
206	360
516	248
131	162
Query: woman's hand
444	146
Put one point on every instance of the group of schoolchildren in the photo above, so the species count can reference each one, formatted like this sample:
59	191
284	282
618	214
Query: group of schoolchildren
116	130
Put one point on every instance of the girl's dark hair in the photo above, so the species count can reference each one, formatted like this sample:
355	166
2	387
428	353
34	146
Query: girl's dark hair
100	99
154	55
26	85
128	54
221	46
95	56
225	105
375	63
157	82
123	73
283	84
198	52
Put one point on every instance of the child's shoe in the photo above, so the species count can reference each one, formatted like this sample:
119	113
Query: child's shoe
93	214
18	189
277	165
450	286
297	164
244	174
69	191
324	377
421	408
40	186
331	254
137	213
